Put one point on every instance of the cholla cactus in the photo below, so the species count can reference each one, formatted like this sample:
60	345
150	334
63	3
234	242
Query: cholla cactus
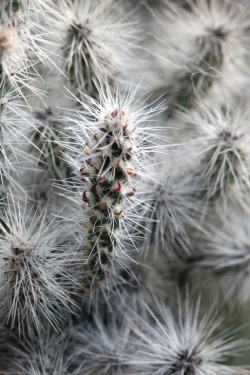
212	54
225	253
174	210
16	127
34	266
183	346
112	204
45	355
94	39
113	141
21	40
217	140
99	348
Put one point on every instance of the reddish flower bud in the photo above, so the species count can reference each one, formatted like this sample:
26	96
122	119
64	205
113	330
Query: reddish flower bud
118	212
118	111
85	196
118	187
102	205
85	180
101	179
132	172
131	193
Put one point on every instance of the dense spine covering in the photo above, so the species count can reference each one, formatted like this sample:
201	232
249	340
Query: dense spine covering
183	345
116	147
124	187
34	266
108	174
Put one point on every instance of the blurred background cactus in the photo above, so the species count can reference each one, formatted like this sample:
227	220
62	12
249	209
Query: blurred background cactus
125	187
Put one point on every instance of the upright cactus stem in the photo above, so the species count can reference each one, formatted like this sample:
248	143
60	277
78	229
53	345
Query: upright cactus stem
117	148
108	174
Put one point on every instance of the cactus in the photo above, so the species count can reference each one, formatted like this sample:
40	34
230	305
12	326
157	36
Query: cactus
124	187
